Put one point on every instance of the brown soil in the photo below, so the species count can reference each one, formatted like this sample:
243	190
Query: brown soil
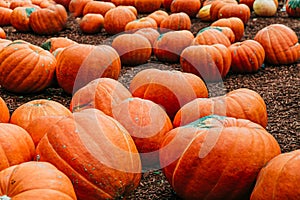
278	85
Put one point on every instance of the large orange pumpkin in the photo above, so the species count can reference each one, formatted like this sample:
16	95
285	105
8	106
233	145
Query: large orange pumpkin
27	112
170	89
35	180
4	112
242	103
79	64
280	44
147	123
168	46
216	157
210	62
39	64
247	56
49	20
16	145
102	94
279	179
96	152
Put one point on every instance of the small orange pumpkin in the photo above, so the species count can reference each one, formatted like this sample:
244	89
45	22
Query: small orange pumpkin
241	11
4	114
210	62
144	22
158	16
16	145
91	23
76	7
176	22
102	94
170	89
190	7
97	7
217	5
54	43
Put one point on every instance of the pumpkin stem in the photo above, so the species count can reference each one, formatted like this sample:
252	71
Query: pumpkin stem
4	197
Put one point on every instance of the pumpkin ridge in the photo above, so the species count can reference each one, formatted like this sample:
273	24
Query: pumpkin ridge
58	158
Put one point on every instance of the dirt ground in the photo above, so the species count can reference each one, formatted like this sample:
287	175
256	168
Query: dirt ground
278	85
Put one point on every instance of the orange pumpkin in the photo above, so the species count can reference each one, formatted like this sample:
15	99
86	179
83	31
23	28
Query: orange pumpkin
168	46
54	43
242	103
190	7
39	126
216	157
27	180
91	23
170	89
102	94
4	114
76	7
280	44
19	18
147	6
144	22
16	145
116	19
279	179
31	110
48	20
236	25
210	62
217	5
176	21
235	10
158	16
97	7
39	63
5	16
96	152
133	49
147	123
247	56
211	35
79	64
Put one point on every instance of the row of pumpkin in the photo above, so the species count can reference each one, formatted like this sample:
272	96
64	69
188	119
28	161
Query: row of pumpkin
100	150
46	17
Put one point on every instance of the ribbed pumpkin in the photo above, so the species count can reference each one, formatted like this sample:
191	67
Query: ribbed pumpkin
190	7
158	16
235	10
216	157
79	64
210	62
96	152
39	126
280	44
236	25
176	22
144	22
133	49
27	112
4	112
170	89
292	8
117	18
102	94
241	103
247	56
97	7
91	23
16	145
279	179
209	36
53	43
147	123
168	46
217	5
5	16
76	7
35	180
48	21
147	6
39	64
19	18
